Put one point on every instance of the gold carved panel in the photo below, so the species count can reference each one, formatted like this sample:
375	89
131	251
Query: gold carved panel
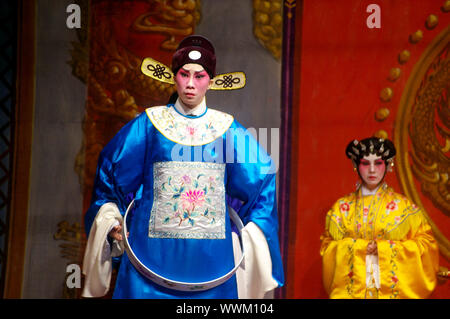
117	90
268	24
422	133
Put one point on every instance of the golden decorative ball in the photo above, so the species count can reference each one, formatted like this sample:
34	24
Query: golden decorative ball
394	74
432	21
382	114
446	6
381	134
386	94
404	56
416	37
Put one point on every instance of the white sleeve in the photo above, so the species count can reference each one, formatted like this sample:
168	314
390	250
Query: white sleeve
97	263
254	277
372	272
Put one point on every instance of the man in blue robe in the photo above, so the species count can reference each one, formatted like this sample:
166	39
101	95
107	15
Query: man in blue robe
180	162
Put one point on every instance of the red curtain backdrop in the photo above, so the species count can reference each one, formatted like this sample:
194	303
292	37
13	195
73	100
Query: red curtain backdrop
340	68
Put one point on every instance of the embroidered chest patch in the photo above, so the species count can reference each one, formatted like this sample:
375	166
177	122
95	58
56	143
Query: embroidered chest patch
189	200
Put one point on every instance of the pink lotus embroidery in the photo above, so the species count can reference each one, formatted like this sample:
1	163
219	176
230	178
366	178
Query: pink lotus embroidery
191	199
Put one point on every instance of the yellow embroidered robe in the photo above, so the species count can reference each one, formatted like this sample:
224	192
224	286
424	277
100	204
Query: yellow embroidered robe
407	251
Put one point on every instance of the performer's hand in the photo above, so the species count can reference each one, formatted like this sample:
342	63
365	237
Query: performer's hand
116	233
372	248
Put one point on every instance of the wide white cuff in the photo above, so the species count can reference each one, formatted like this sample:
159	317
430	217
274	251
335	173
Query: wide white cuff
372	272
254	277
97	262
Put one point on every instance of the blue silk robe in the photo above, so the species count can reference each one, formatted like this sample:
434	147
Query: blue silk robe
179	169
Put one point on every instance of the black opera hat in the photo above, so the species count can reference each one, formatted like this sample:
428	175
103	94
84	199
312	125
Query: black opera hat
199	50
195	49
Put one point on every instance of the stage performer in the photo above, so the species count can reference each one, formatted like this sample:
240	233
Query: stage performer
377	243
182	163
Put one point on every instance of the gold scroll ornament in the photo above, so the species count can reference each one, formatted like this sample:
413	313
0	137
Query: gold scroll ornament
268	24
422	132
171	18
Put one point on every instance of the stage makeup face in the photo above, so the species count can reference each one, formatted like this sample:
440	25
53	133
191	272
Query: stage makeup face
372	170
192	82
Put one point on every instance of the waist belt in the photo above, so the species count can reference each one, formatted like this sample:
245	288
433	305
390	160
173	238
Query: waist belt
180	285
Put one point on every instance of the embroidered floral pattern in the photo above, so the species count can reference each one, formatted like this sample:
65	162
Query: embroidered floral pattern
376	216
189	200
358	208
350	263
391	206
189	131
365	214
391	216
344	207
394	268
386	216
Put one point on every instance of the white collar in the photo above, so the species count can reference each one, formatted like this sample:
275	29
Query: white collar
365	191
196	111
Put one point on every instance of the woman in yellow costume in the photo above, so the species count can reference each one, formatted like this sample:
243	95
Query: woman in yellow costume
377	244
